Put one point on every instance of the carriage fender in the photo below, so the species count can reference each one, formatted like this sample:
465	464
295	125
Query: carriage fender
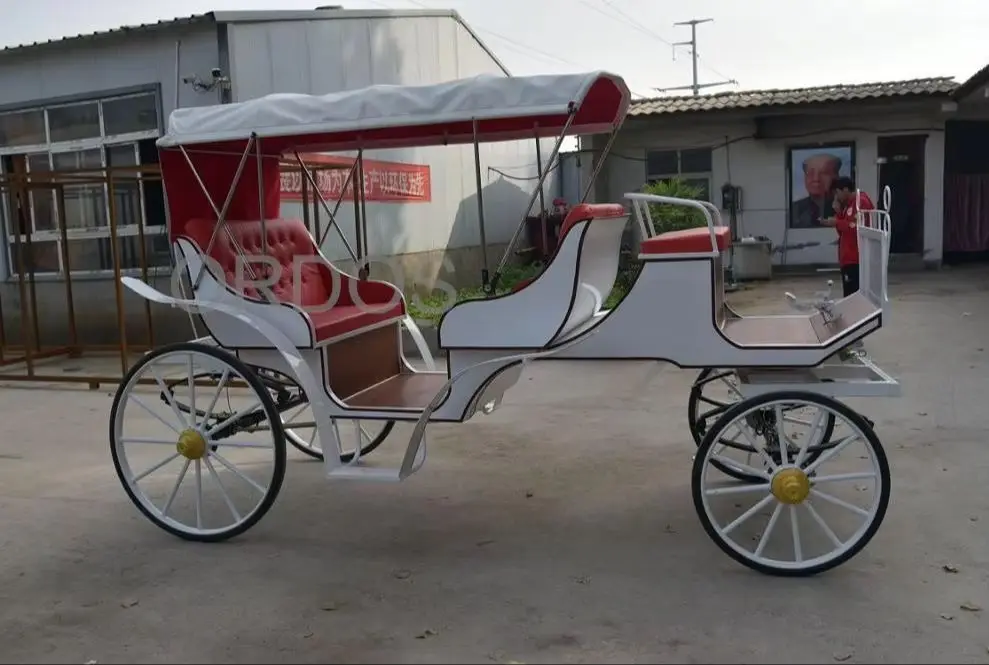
293	359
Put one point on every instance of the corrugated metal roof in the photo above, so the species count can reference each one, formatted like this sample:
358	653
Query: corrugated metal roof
142	27
977	79
235	17
727	101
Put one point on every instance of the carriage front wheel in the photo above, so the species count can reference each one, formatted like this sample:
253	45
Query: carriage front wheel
804	515
208	472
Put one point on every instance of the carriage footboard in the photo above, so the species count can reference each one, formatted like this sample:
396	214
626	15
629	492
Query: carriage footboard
856	377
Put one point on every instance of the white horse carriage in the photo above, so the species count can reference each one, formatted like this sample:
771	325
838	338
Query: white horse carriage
290	331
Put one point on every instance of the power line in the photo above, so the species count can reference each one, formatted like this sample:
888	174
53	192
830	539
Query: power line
623	17
696	85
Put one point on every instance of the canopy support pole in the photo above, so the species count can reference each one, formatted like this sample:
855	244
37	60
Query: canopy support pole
258	158
221	214
542	195
600	162
326	206
365	270
480	209
532	199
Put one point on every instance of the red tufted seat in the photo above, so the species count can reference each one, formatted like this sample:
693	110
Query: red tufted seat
307	282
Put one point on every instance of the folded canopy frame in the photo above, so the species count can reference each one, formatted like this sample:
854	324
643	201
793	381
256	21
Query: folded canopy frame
203	149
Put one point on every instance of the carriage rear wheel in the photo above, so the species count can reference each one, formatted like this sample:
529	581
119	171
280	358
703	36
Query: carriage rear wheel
360	436
206	473
804	516
715	391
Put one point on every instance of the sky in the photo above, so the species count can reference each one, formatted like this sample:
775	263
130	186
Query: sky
758	43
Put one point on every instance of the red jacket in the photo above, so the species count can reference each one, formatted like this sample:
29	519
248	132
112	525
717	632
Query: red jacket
845	225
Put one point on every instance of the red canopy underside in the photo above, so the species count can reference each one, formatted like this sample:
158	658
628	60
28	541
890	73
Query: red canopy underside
216	163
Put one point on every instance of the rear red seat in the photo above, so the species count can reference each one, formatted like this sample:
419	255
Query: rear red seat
286	239
687	241
579	213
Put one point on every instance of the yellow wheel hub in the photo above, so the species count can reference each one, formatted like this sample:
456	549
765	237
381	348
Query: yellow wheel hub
791	486
191	445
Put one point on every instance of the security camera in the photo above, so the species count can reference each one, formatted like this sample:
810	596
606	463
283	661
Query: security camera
216	72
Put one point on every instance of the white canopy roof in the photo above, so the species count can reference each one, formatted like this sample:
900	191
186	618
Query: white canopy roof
482	98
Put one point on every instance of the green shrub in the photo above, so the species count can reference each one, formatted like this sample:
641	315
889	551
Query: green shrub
666	217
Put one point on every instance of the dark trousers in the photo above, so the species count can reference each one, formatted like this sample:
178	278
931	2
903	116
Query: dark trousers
849	279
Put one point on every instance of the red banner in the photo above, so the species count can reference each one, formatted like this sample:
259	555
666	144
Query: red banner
396	182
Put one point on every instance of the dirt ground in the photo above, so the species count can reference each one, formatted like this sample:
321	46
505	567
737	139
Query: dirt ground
558	529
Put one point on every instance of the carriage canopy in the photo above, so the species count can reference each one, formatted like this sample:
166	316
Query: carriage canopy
208	143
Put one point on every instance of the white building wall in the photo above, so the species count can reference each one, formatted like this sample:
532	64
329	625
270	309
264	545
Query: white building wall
759	167
319	57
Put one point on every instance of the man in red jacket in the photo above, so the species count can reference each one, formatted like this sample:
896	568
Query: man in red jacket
845	223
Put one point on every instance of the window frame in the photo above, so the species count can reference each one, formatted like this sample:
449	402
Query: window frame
707	176
103	143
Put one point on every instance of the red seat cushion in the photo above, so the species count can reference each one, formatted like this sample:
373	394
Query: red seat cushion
687	241
344	319
308	284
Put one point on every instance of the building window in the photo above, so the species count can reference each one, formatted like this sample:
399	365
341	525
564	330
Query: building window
693	166
83	138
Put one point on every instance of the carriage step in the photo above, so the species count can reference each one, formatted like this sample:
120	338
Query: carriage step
373	474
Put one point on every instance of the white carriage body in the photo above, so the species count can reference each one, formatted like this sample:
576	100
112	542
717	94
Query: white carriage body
340	336
268	296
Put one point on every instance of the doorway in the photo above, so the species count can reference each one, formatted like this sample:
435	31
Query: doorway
901	168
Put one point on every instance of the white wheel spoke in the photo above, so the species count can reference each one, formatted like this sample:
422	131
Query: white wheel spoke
839	502
839	477
223	491
824	525
175	488
739	466
831	453
751	439
811	438
235	417
228	443
208	413
192	396
781	435
764	539
237	472
143	439
164	462
747	514
140	403
798	551
167	394
199	492
736	489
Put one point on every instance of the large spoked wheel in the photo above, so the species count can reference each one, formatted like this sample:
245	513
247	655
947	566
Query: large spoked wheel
300	426
803	516
714	392
207	473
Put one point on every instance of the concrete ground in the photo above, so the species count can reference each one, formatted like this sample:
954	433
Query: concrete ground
559	529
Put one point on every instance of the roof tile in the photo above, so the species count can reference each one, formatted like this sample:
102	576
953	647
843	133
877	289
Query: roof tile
726	101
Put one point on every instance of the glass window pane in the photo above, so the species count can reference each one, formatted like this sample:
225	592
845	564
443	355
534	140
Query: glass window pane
661	162
22	128
85	204
91	254
695	161
43	256
71	123
42	198
130	114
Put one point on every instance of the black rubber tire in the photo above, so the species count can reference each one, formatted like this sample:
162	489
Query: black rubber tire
698	430
736	410
278	435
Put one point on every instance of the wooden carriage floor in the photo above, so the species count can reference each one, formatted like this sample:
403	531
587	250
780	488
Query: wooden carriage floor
402	391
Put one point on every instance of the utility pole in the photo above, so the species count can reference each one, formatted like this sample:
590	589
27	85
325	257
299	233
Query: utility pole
692	44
